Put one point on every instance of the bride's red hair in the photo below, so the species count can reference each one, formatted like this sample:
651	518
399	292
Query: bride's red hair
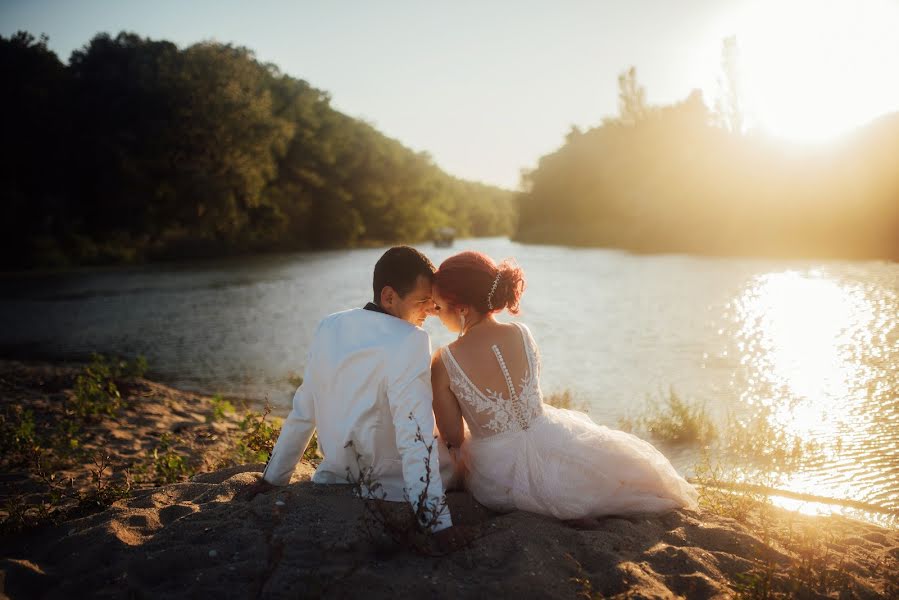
467	278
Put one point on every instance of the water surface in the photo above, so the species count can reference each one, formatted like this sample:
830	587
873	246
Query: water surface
812	345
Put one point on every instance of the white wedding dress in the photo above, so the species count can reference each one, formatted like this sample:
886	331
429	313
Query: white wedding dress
527	455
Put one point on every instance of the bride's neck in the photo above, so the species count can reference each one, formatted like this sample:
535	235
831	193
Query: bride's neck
487	318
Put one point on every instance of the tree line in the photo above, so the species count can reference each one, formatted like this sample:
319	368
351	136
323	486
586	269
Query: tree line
138	150
693	179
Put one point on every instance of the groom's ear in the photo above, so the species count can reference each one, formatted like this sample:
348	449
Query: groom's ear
388	297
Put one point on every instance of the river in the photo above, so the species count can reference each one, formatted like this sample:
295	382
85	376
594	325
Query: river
812	345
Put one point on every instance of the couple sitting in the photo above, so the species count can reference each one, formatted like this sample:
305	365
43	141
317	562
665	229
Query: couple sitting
370	380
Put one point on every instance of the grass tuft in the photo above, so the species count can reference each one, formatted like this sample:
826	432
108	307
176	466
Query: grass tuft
565	399
674	421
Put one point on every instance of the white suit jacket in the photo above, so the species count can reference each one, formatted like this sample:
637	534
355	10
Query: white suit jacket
366	374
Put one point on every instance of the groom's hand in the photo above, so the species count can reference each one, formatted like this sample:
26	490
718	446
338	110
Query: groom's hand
259	487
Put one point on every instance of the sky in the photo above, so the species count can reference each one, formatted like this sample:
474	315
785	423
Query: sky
488	87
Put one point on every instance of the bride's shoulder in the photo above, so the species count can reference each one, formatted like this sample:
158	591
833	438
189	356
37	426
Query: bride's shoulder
438	360
521	326
526	334
440	353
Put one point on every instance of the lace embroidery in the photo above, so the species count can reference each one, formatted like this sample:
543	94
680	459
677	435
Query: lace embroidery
514	413
513	397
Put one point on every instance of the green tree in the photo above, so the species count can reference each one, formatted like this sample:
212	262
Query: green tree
139	149
35	160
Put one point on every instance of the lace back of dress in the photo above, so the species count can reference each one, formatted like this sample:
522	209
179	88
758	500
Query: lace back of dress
489	412
517	409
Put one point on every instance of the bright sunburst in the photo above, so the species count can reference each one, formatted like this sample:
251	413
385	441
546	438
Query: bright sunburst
805	327
803	335
814	69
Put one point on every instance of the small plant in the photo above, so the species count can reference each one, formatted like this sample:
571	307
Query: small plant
676	422
96	388
566	400
59	496
16	515
312	453
168	465
294	379
138	368
121	368
410	529
720	493
582	580
259	436
21	514
220	408
104	491
96	392
757	584
760	442
65	438
17	432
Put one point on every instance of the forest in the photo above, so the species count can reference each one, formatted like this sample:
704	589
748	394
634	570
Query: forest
138	150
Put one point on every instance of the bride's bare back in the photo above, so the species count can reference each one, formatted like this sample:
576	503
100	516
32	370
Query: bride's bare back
492	374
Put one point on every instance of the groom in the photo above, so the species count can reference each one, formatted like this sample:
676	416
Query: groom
367	381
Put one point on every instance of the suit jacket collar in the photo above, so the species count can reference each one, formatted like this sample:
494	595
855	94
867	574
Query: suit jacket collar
375	308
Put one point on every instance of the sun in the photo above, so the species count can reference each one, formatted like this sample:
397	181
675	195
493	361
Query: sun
811	70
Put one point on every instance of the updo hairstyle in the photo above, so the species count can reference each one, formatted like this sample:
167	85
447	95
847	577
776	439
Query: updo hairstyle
467	278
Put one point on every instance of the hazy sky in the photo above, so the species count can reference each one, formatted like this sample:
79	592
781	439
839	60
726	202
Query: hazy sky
488	87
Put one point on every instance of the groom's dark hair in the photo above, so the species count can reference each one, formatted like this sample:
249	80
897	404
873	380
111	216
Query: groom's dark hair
400	268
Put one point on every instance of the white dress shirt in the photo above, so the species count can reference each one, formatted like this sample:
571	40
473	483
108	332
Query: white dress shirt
367	381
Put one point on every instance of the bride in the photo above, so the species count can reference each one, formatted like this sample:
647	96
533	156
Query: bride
517	452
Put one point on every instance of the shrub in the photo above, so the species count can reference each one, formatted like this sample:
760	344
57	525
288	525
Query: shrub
57	497
17	432
104	491
294	379
312	453
720	492
136	369
259	436
220	408
675	422
65	438
95	391
168	465
759	441
408	528
565	399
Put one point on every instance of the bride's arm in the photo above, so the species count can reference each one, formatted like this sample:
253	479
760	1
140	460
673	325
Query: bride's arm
446	408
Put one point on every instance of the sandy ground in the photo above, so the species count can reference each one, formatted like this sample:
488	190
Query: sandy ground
154	417
197	538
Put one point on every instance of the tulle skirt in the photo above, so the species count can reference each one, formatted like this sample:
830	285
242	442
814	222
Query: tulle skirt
567	466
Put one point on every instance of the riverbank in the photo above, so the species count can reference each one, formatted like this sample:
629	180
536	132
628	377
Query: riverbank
197	537
619	237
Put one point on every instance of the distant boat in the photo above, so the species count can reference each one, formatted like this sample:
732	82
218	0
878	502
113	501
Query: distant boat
444	236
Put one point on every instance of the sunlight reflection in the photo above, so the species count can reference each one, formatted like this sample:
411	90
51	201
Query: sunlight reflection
800	332
816	352
812	508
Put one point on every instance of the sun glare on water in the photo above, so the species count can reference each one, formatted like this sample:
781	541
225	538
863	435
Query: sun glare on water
811	70
806	326
803	335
